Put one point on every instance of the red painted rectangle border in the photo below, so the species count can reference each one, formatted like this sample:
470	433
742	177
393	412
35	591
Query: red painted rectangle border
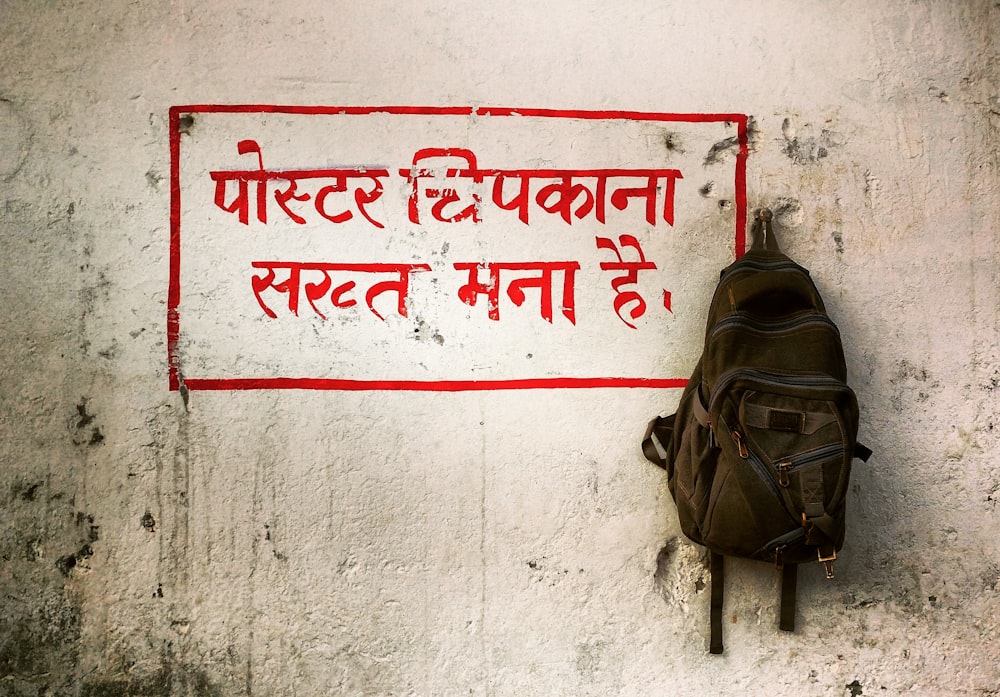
304	383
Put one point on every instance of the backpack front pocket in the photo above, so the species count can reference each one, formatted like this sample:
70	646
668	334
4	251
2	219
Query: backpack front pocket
790	431
803	440
746	504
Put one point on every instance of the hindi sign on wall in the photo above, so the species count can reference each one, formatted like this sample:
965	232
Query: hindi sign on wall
443	248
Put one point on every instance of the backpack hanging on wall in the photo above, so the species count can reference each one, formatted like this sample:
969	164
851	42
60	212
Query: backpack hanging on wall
758	453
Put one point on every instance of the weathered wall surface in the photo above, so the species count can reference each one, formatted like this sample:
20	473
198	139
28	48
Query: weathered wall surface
487	543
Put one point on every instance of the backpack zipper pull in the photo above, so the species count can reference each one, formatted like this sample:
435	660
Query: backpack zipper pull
827	560
738	437
783	468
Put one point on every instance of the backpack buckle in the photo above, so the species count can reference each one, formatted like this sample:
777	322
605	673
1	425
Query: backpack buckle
827	561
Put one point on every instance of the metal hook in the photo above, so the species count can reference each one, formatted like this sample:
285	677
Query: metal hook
764	216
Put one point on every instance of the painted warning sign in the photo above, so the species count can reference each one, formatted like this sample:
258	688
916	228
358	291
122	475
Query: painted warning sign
444	248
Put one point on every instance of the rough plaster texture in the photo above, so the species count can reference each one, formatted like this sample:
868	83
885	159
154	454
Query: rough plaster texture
312	543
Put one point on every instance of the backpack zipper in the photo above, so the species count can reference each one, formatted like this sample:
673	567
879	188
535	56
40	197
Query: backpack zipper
756	464
773	379
762	471
757	265
779	544
811	457
780	326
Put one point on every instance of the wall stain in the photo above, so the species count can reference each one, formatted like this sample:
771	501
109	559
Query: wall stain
993	382
90	535
92	295
672	142
14	159
25	491
664	558
873	188
170	679
542	573
40	612
788	212
910	381
153	179
716	152
808	149
838	241
731	145
680	569
41	632
420	335
148	522
85	431
590	658
185	124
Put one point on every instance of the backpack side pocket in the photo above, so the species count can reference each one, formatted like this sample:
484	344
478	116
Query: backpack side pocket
693	460
681	444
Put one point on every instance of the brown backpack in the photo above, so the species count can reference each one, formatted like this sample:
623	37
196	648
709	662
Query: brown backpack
758	453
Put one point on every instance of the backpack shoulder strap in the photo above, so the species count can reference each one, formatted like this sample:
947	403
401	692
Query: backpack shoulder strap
659	431
717	570
789	581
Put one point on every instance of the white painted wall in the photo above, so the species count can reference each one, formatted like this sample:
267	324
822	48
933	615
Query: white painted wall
486	543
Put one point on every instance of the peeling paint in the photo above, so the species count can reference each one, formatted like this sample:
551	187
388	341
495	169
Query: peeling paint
730	146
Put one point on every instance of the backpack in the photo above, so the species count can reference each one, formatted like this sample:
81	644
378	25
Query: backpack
758	454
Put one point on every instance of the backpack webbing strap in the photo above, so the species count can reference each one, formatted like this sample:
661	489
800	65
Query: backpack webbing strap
718	586
699	409
806	422
658	434
861	452
789	581
811	490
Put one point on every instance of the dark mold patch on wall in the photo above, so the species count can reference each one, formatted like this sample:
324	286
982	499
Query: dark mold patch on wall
89	535
43	538
25	491
38	651
170	679
85	431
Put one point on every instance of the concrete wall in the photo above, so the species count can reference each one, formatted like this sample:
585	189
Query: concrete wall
154	542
